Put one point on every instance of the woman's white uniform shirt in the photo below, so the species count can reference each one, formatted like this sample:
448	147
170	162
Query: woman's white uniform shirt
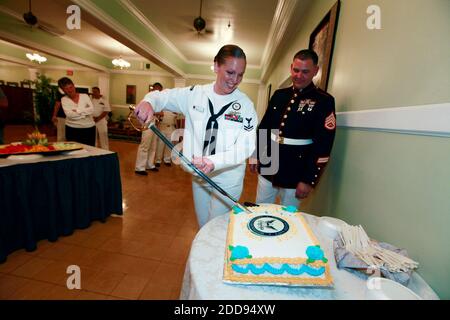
235	140
78	115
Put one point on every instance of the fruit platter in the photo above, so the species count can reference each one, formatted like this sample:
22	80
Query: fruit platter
37	143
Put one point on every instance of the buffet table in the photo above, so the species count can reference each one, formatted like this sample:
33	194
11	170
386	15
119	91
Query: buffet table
44	197
204	272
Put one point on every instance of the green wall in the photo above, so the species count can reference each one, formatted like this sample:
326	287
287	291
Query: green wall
397	186
13	73
79	78
119	82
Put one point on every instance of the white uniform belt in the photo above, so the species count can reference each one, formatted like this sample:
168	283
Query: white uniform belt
294	142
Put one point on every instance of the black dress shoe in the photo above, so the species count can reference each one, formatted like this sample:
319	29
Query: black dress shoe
142	173
168	164
157	164
153	169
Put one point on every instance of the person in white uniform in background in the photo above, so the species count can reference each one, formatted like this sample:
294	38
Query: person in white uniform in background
167	125
101	110
220	130
145	158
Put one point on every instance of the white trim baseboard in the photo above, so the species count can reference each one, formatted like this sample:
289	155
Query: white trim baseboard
430	120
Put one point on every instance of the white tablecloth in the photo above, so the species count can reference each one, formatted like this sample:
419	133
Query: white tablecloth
204	271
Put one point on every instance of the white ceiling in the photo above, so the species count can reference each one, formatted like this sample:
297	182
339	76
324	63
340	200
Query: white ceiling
249	20
53	12
250	23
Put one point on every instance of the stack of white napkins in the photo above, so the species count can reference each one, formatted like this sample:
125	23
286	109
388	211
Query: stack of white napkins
356	241
354	251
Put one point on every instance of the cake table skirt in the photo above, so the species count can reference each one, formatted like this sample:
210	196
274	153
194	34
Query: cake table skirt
48	199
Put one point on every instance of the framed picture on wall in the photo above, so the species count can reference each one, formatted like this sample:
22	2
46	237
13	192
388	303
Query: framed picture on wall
131	94
322	42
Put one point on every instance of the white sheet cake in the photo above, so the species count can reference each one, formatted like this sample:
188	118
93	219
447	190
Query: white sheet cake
274	245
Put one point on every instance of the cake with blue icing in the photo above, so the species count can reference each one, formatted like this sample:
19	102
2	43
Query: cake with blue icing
273	245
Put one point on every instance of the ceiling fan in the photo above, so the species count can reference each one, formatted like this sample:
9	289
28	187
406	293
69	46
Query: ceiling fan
200	23
31	20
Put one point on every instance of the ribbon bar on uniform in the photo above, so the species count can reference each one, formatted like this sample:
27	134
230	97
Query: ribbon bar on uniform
289	141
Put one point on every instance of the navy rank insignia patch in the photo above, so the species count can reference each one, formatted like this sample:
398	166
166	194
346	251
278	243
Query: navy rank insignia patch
248	127
330	122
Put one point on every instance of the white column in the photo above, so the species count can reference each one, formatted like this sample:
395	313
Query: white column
33	72
261	104
103	84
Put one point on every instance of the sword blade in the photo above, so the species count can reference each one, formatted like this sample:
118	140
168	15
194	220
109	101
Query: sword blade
169	144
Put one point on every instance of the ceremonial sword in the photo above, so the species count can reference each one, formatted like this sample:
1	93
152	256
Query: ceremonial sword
169	144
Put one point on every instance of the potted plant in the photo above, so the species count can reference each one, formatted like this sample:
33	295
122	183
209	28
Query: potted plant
43	103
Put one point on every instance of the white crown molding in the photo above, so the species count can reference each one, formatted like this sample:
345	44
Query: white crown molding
141	73
430	120
51	51
85	46
128	5
26	63
23	62
110	22
213	78
281	19
59	67
11	13
65	37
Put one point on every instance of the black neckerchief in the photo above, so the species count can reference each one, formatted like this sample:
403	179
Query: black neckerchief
209	145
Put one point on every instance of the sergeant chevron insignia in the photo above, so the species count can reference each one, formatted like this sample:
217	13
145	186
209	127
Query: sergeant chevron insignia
330	122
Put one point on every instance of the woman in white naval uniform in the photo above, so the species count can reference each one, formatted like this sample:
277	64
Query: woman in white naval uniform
220	132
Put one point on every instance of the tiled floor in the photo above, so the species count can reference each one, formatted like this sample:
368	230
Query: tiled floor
141	255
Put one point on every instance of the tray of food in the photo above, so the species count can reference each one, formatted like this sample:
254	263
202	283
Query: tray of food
48	149
37	143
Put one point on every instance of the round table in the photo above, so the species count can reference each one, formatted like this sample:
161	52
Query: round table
204	271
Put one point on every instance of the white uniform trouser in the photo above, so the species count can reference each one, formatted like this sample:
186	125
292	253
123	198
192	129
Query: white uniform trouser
60	129
161	147
267	193
208	202
145	158
102	134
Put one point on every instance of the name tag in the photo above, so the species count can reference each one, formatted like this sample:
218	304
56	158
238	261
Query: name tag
198	108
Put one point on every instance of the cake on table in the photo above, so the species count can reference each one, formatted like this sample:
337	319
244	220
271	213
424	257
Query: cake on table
273	245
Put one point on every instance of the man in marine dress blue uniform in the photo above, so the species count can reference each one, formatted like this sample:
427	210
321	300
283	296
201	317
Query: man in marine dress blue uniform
295	136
